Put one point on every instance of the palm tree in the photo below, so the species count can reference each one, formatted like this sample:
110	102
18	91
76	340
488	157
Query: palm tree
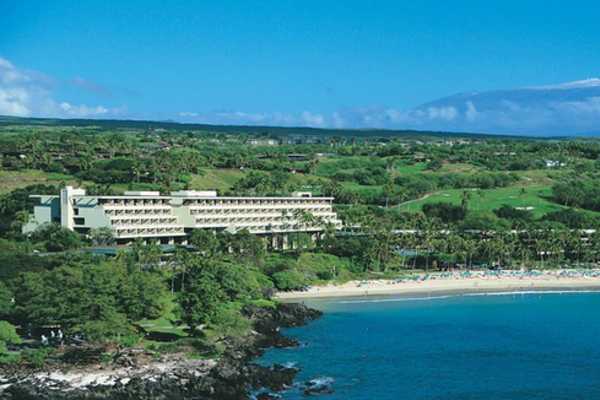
464	201
21	218
470	246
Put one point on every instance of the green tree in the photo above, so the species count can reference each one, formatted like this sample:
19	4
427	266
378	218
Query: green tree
209	284
8	335
103	236
199	302
205	241
245	245
56	238
100	301
6	303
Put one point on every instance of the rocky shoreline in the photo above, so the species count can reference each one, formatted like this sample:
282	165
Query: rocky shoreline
233	377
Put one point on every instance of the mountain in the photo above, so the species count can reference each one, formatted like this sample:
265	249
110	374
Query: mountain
571	108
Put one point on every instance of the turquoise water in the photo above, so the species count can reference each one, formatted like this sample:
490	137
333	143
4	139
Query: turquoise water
514	346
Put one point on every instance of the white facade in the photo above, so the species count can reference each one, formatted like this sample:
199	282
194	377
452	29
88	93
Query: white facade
169	219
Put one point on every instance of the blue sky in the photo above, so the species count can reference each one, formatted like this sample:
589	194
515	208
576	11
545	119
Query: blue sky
316	63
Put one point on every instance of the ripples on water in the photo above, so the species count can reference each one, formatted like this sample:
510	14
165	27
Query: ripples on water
527	345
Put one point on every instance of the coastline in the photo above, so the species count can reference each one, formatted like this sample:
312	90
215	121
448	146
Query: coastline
438	284
233	376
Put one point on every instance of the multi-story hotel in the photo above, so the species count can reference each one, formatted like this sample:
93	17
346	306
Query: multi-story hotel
169	219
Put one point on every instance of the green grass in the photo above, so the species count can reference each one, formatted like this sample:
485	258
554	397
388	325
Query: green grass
458	168
11	180
219	179
408	169
491	199
447	168
330	166
165	324
362	189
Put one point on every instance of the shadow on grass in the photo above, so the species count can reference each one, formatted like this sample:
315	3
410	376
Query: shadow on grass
162	336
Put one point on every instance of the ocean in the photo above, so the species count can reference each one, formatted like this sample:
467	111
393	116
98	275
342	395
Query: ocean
501	346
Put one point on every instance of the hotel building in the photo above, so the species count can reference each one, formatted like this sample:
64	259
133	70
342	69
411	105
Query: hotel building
153	217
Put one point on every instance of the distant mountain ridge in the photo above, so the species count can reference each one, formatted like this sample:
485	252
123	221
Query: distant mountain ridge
571	108
244	129
558	110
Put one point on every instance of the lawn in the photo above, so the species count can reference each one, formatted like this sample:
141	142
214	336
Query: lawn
406	169
330	166
164	324
11	180
362	189
491	199
447	168
457	168
219	179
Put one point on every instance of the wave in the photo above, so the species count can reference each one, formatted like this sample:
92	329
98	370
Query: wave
504	293
526	292
396	299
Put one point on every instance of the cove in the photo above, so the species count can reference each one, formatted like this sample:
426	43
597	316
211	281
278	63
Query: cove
495	346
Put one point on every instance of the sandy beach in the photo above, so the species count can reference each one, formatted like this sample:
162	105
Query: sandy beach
475	281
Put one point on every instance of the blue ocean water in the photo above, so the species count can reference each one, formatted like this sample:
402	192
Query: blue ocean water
510	346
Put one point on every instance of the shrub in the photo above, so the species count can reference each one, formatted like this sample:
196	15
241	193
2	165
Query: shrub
289	280
446	212
8	335
320	266
229	321
36	357
509	212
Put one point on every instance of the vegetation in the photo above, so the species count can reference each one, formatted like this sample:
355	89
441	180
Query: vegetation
409	202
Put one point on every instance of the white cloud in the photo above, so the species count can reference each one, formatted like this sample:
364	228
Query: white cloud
443	113
585	83
82	110
13	102
471	113
28	93
311	119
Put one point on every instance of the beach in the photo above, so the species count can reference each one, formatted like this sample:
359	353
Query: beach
456	282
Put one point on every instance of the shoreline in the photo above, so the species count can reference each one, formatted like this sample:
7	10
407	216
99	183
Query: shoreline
479	282
234	375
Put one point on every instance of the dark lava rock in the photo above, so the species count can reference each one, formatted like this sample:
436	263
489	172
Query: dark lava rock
268	322
276	377
231	379
318	386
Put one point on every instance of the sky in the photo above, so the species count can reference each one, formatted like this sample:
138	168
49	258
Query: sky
345	64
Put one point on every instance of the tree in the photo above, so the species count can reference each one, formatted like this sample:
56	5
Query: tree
210	284
100	301
446	212
142	295
205	241
8	335
230	320
143	256
6	303
56	238
382	244
103	236
509	212
244	245
464	200
290	279
199	302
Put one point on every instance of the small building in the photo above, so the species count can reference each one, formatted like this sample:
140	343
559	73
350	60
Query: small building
554	163
262	142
